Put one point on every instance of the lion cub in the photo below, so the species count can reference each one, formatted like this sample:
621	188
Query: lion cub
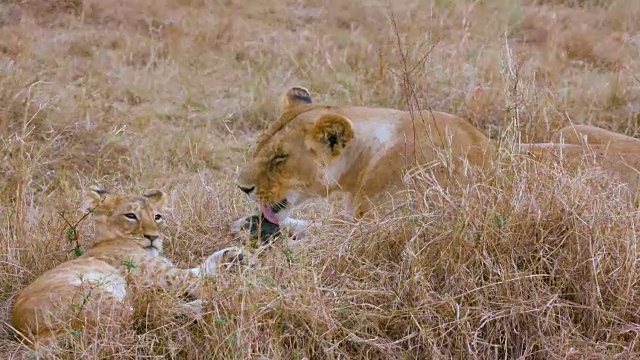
125	258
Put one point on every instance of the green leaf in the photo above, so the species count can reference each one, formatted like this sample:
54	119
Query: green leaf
71	233
130	265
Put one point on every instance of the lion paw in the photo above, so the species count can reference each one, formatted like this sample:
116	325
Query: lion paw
193	309
226	256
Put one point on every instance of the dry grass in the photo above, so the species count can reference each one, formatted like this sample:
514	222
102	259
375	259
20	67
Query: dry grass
528	263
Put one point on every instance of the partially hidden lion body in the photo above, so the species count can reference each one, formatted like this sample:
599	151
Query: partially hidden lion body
588	134
125	258
615	153
314	150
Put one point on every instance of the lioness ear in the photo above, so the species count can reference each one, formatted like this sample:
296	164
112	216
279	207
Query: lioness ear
94	197
157	197
295	96
330	133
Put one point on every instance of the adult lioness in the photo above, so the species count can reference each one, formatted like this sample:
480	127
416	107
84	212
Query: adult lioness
314	150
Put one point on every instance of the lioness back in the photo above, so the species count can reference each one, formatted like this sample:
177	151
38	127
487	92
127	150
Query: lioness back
577	134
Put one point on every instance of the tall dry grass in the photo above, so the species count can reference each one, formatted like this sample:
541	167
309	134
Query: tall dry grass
529	262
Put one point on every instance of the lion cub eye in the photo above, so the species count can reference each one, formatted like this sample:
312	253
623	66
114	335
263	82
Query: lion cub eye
131	216
279	159
158	217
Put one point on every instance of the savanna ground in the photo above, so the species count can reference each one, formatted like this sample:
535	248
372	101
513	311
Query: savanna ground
132	95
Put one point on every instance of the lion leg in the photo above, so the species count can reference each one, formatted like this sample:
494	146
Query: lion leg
219	258
192	309
296	225
359	206
157	273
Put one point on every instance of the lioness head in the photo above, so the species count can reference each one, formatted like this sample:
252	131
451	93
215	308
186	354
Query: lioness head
288	163
137	218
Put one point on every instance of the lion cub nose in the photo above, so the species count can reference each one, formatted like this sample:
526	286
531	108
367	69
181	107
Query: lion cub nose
151	237
246	190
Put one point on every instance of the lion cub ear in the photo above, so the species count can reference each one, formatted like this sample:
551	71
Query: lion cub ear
156	197
295	96
329	134
94	197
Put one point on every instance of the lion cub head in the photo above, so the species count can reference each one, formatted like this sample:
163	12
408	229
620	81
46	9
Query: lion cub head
136	218
288	165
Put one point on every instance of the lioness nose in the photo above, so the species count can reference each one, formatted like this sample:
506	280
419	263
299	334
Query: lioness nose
246	190
151	237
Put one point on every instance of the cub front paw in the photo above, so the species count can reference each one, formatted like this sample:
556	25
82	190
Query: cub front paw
230	255
193	309
225	256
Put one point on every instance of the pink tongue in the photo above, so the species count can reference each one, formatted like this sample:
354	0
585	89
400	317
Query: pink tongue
268	213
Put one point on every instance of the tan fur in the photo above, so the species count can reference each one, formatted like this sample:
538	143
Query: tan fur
620	160
577	134
126	258
314	150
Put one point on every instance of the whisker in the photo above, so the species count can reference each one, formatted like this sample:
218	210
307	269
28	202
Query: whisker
280	205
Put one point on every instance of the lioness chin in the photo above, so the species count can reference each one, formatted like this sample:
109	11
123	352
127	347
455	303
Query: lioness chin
314	150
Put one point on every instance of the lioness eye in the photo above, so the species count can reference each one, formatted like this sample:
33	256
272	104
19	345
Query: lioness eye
131	216
158	217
